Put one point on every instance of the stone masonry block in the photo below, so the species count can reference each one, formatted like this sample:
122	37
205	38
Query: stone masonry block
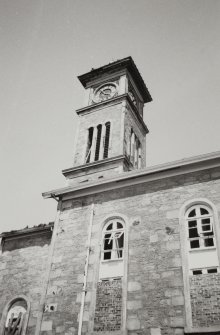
133	323
134	304
155	331
134	286
177	301
46	325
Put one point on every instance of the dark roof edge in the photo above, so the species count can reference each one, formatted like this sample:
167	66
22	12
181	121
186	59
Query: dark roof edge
26	231
126	63
196	163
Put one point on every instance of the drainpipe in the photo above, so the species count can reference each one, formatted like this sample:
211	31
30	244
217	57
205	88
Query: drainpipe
86	270
47	275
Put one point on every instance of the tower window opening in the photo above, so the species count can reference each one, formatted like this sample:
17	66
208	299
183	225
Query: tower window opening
89	144
132	146
107	138
113	241
98	142
135	150
137	155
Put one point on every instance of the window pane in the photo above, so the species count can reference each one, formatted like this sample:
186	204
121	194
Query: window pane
192	213
109	227
206	226
193	232
120	241
119	225
107	255
203	211
209	242
119	253
108	242
194	244
192	224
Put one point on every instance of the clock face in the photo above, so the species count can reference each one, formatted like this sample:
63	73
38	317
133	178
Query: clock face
105	92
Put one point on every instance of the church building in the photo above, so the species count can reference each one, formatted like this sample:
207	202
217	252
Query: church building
134	250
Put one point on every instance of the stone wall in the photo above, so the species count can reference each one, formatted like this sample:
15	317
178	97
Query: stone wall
153	276
205	299
22	271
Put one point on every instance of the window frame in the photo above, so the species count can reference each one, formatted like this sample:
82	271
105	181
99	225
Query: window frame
114	239
198	218
7	309
189	328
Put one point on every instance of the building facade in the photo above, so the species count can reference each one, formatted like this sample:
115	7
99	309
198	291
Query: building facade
133	250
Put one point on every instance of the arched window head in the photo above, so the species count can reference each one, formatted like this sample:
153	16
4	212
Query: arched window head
113	241
15	317
200	227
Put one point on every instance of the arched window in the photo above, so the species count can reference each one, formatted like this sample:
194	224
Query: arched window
89	144
113	241
201	241
98	141
15	319
200	227
112	249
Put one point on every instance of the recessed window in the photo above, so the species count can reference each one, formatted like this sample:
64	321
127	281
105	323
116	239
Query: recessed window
200	227
135	150
98	142
89	144
98	139
15	317
113	241
107	138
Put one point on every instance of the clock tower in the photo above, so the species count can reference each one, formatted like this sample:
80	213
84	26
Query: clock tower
111	132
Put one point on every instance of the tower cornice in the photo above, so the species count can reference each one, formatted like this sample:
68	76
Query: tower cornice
111	102
114	67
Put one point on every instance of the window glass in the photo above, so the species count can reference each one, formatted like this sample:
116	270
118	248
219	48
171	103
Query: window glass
15	317
113	241
200	229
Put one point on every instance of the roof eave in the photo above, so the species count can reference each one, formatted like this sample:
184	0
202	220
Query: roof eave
157	172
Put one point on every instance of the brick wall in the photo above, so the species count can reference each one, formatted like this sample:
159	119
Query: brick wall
108	310
205	299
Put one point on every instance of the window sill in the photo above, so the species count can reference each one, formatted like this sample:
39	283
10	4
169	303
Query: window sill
111	260
202	249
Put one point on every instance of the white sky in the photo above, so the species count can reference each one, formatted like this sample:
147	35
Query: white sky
46	44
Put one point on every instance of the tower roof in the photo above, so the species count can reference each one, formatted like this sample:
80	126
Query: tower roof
125	63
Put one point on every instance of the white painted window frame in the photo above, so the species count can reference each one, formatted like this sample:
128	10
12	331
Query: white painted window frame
114	232
7	309
185	264
198	218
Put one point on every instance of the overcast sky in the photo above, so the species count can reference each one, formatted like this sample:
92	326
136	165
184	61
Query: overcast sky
46	44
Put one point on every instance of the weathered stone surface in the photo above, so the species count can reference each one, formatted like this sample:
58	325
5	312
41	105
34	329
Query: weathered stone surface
154	274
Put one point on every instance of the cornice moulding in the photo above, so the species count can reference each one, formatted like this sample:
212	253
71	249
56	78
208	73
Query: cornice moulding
180	167
112	102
